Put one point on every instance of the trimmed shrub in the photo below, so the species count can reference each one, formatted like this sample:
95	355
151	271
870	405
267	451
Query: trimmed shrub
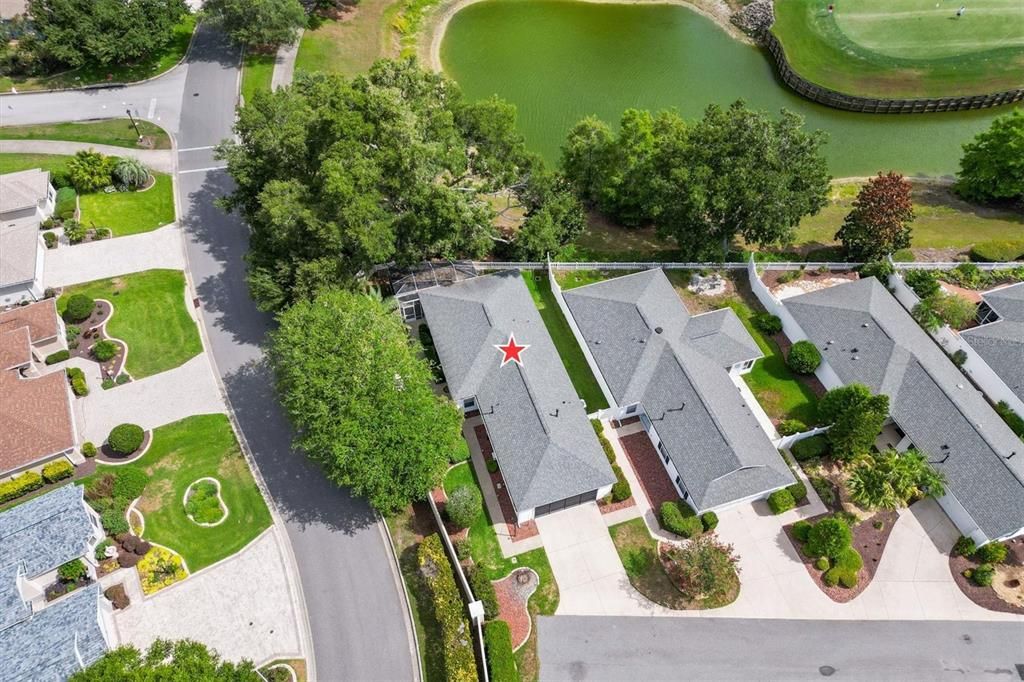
879	269
848	580
124	379
924	282
20	485
798	490
88	449
781	501
982	575
125	439
766	323
117	596
501	661
107	384
803	357
58	356
72	571
492	466
998	251
101	549
114	522
128	559
456	641
845	567
959	357
822	564
142	547
483	589
673	520
104	350
65	205
78	383
828	537
809	448
709	520
58	471
992	553
129	483
74	231
965	546
464	505
79	308
801	530
620	489
50	239
459	454
130	173
788	427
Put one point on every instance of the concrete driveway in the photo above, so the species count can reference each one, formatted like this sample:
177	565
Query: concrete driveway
112	257
242	607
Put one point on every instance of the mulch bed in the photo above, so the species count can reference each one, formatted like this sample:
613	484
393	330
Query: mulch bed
105	454
86	468
609	507
648	469
867	540
517	531
986	597
771	277
92	331
514	591
617	424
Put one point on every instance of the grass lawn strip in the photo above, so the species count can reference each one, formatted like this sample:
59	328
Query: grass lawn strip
149	315
128	213
12	163
182	452
118	132
486	553
565	342
257	74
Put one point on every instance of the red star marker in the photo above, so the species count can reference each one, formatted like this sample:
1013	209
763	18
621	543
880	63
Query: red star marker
511	350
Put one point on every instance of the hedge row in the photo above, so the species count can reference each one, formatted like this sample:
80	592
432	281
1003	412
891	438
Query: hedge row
58	470
501	661
20	485
674	519
77	378
1012	419
457	651
621	490
809	448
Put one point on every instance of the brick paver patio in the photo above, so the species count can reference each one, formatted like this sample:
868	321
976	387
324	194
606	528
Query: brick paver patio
648	468
516	532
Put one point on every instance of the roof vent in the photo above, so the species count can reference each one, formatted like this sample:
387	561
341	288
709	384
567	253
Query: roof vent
865	325
856	357
658	330
641	340
830	342
959	385
853	350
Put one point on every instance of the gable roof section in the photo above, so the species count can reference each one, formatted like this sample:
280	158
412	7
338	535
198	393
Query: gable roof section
40	318
544	444
19	241
23	189
874	341
38	536
1001	343
651	351
35	418
15	348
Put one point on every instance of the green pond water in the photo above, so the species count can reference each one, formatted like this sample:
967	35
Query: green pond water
559	61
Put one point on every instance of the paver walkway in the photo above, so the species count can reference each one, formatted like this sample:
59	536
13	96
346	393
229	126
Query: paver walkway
154	401
157	159
112	257
242	607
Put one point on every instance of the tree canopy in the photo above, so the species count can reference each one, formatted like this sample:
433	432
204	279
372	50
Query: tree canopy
735	172
992	166
167	661
889	480
258	23
361	400
879	223
856	417
73	33
334	175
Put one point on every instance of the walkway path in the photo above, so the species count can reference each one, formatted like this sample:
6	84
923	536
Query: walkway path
150	402
242	607
284	64
112	257
157	159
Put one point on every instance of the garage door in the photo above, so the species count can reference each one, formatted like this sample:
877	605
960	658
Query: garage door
567	502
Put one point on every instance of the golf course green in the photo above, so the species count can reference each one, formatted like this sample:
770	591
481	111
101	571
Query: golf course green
905	48
559	61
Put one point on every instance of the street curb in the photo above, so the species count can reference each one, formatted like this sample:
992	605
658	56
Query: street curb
396	574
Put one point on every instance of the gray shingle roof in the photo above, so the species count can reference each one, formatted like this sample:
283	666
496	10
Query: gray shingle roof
19	242
49	645
866	336
36	537
715	441
23	189
543	458
1001	343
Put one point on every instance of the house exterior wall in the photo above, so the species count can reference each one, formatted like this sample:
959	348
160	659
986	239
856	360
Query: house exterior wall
16	293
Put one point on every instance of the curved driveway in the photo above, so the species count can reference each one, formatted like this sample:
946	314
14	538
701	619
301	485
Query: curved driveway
353	594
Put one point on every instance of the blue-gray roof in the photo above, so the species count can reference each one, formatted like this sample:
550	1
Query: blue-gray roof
867	337
1001	343
38	536
56	641
651	351
544	444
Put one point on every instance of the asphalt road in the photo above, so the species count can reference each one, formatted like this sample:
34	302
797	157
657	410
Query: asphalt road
356	611
600	648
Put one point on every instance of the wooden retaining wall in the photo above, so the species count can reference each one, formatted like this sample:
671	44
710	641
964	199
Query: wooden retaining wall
873	105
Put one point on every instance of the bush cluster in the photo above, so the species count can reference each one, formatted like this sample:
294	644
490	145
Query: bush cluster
72	571
788	427
79	308
66	203
609	453
992	553
456	641
781	501
828	541
501	661
802	530
50	239
74	231
809	448
464	505
965	546
483	589
77	378
57	356
130	173
88	449
1012	419
879	269
125	439
766	323
798	490
998	251
924	283
675	520
982	575
58	470
20	485
89	170
709	520
104	350
114	522
621	490
829	537
803	357
844	569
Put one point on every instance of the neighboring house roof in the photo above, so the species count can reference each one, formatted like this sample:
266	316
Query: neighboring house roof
35	419
15	348
868	337
56	641
11	8
1001	343
19	241
544	444
651	351
38	536
24	189
40	318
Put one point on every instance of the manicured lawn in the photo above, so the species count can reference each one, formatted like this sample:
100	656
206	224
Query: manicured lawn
149	315
349	46
181	453
156	64
257	72
638	552
128	213
570	279
12	163
568	349
114	131
486	553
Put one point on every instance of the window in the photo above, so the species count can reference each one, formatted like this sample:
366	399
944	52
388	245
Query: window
664	452
469	404
631	409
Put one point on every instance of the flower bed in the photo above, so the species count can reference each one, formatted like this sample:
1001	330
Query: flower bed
1003	580
160	568
203	502
513	592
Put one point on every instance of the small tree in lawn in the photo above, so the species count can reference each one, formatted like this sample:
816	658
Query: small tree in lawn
879	223
890	480
258	23
704	569
992	166
856	417
463	506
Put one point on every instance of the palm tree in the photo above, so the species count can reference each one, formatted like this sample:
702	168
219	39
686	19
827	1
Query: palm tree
890	480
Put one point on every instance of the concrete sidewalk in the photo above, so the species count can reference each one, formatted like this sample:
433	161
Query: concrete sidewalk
161	160
284	64
159	248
